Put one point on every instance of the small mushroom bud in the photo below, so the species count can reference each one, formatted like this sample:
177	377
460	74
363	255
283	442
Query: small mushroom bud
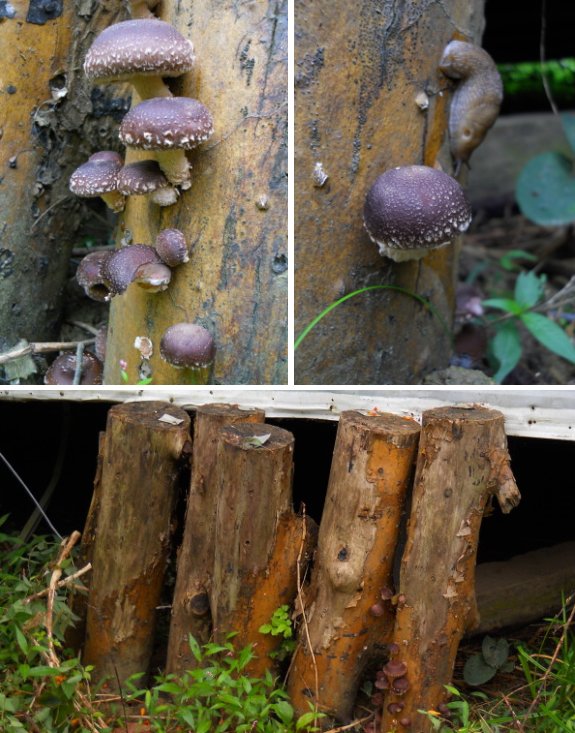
63	369
98	176
119	269
393	649
172	248
386	594
169	126
400	685
191	347
153	276
405	722
90	278
395	707
381	682
377	610
140	51
413	209
395	668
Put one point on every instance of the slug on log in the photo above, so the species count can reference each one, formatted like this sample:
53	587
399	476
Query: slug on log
476	100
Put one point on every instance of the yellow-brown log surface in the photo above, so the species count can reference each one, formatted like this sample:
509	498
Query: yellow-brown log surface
191	601
235	283
358	69
462	462
257	539
370	474
138	486
47	127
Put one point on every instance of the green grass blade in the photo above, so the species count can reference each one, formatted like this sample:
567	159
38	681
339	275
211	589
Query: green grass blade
396	288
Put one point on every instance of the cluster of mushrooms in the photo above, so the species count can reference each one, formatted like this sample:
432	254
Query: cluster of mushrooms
144	51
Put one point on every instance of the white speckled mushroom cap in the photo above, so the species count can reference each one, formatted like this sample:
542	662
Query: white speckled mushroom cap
172	247
165	123
412	209
187	345
98	175
143	176
145	47
120	267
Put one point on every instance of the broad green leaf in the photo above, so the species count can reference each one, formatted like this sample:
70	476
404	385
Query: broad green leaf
545	190
495	651
551	335
503	304
21	639
476	671
506	348
529	288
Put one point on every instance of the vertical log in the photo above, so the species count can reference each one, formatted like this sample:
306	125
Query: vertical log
258	537
138	487
48	124
346	613
358	69
191	604
235	214
463	460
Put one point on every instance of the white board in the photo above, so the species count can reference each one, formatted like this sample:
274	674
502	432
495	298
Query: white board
539	413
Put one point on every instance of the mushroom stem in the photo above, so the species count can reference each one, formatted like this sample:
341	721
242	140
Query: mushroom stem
175	166
165	196
149	86
114	200
142	8
200	374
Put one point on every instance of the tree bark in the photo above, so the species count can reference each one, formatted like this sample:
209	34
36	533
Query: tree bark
48	123
235	214
358	70
462	462
258	537
347	617
141	465
191	602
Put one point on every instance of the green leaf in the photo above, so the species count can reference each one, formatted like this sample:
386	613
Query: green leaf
545	190
477	672
551	335
506	348
284	711
21	639
495	651
265	629
504	304
529	288
195	648
507	261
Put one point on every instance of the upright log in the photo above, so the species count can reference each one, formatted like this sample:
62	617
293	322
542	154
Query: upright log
191	602
144	447
258	536
234	216
348	611
359	69
48	125
462	462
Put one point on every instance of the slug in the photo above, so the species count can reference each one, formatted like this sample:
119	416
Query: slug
476	100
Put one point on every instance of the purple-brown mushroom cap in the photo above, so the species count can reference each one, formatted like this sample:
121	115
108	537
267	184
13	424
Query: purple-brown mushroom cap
167	123
143	47
412	209
172	247
395	668
188	345
90	278
63	369
98	176
153	276
146	176
119	269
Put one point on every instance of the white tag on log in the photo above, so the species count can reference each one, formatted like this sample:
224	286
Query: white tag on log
170	419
